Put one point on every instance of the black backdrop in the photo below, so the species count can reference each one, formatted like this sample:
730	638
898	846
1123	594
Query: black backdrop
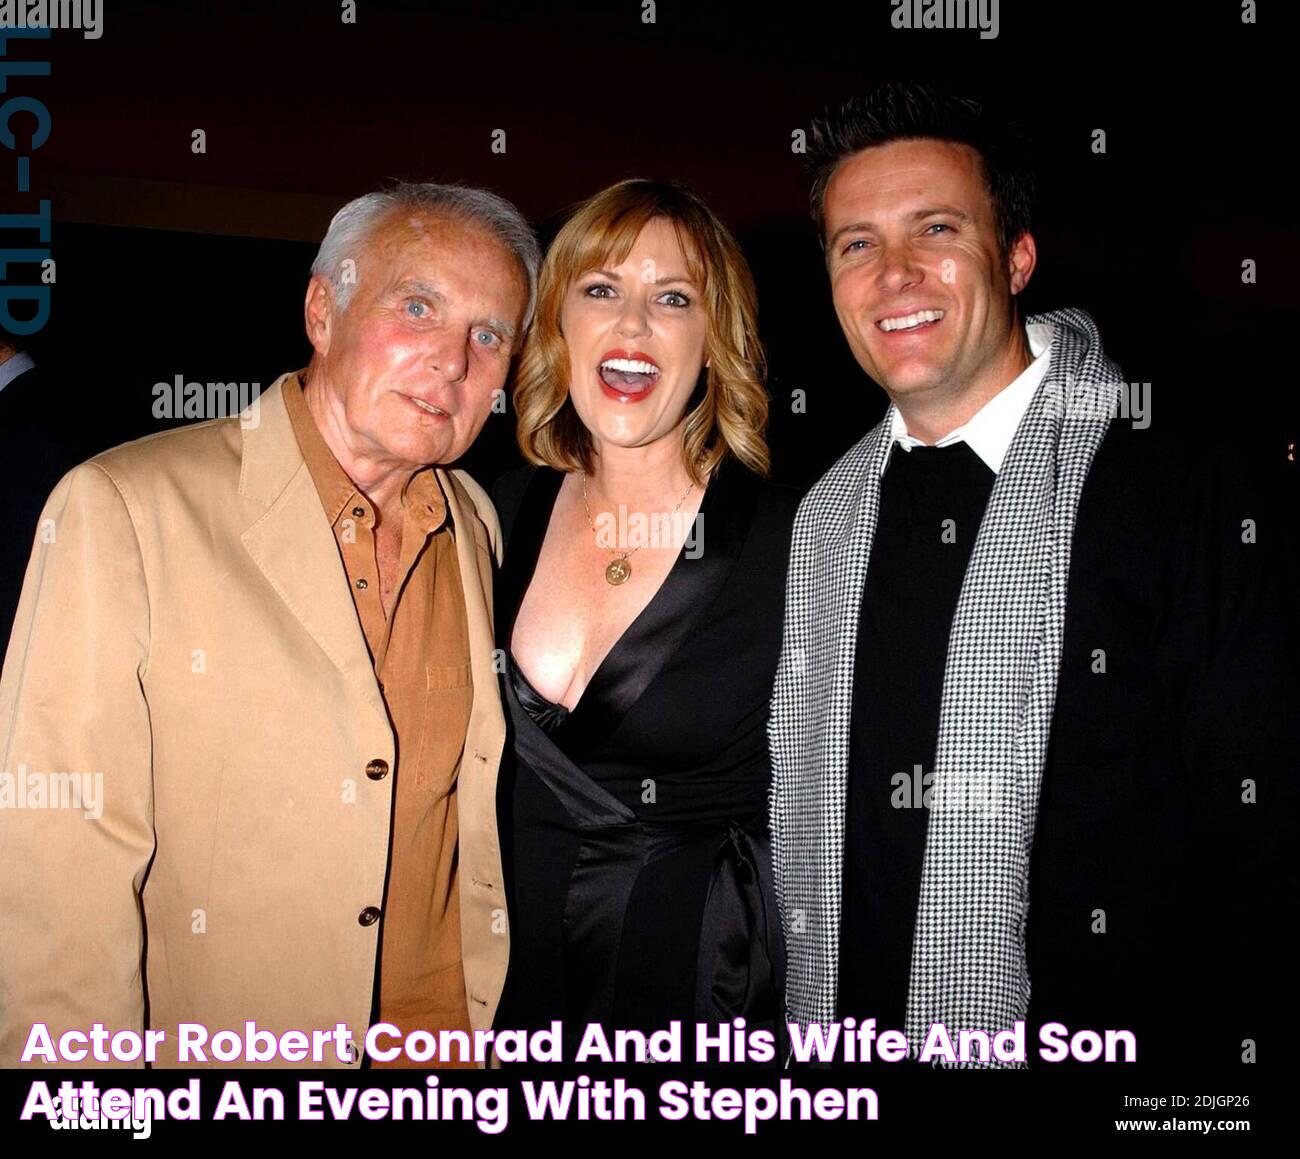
175	263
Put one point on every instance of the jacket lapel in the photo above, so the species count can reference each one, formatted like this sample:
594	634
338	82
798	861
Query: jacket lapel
291	542
474	555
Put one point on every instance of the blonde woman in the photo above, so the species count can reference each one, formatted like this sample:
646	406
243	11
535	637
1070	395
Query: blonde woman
640	611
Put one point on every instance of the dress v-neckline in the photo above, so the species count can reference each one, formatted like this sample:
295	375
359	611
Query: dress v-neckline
638	655
552	496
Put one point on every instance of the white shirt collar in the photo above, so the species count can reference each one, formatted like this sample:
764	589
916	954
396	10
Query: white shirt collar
990	429
17	365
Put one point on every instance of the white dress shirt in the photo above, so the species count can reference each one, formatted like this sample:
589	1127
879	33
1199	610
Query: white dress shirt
990	429
13	367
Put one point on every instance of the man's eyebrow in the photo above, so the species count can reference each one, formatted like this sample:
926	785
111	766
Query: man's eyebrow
941	210
417	286
501	326
852	227
915	215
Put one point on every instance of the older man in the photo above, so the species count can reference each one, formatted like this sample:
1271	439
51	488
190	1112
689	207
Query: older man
1034	726
266	643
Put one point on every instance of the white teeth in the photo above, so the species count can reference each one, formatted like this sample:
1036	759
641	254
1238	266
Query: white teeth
629	366
907	323
431	409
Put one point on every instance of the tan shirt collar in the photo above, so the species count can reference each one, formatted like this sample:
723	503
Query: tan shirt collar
422	496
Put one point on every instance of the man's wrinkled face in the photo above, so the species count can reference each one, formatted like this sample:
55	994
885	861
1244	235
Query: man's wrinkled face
425	340
922	293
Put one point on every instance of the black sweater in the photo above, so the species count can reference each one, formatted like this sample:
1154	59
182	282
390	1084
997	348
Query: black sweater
1161	884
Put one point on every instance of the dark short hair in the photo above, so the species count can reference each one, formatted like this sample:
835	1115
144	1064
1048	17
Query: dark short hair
908	111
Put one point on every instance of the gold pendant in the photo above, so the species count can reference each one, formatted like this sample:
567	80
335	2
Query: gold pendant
618	571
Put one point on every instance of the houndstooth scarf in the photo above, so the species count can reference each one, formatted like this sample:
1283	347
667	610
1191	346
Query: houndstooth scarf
968	956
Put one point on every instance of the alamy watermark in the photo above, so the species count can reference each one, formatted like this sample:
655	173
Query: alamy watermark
27	789
87	1109
1102	400
87	15
629	530
981	14
179	399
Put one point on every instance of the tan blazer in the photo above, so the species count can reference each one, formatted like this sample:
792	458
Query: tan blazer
189	634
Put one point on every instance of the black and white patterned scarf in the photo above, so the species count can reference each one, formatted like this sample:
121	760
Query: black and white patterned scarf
968	956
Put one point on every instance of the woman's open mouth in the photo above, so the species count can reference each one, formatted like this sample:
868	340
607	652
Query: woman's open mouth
627	376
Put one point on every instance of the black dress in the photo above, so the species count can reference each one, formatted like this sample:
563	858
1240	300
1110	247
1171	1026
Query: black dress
634	828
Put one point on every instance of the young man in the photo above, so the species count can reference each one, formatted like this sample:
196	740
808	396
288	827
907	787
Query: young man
1033	728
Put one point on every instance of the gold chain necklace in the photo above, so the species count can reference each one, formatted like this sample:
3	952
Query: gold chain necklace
619	571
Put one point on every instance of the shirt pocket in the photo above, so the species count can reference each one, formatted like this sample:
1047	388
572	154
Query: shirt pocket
442	677
448	698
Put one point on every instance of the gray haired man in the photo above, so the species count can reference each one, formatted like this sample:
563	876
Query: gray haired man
273	641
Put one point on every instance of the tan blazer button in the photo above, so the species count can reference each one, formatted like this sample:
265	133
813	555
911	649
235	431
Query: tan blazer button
368	916
377	769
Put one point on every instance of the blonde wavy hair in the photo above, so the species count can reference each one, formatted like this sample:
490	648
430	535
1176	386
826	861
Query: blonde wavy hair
732	415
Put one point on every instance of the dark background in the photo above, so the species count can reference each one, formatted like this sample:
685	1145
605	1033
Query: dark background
175	263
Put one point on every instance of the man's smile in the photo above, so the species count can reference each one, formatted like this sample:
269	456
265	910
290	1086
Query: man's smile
907	323
428	407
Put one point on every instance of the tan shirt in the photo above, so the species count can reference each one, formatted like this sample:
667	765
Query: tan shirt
422	662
